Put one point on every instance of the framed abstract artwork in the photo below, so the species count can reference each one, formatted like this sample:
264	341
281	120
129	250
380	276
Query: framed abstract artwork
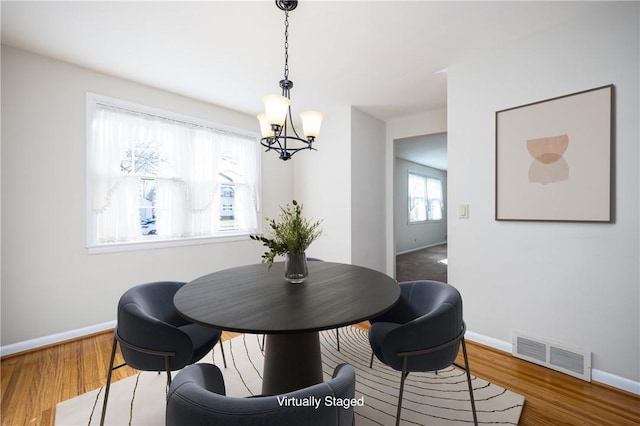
554	159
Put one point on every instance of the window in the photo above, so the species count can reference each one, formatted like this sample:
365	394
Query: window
425	198
156	176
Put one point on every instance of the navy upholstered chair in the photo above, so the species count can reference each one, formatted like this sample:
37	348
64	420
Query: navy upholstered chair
197	397
153	336
422	332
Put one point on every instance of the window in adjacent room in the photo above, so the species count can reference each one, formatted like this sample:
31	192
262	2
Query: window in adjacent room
425	198
154	176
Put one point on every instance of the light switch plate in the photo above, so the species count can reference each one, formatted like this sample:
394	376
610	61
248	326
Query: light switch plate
463	211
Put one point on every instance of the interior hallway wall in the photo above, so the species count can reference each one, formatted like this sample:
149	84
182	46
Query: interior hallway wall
368	240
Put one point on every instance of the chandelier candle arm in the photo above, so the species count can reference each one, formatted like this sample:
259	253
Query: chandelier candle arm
273	122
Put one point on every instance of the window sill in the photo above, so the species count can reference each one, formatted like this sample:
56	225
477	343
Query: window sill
151	243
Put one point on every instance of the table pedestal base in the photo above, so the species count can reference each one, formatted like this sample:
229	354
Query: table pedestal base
291	362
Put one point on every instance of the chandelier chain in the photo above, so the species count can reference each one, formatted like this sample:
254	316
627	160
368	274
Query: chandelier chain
286	45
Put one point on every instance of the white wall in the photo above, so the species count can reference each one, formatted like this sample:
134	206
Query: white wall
412	236
322	182
576	283
49	283
368	239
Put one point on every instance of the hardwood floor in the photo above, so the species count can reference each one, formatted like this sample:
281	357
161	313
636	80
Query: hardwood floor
33	383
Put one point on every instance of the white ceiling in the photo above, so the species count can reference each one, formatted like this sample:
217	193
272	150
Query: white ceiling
429	150
381	56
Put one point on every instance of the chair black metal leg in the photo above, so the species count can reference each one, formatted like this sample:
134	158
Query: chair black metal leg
108	386
224	359
371	362
466	365
167	367
338	339
404	376
263	337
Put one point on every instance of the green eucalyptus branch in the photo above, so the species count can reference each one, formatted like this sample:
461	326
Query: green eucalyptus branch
291	233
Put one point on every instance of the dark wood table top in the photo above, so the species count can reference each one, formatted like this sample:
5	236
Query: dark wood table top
252	299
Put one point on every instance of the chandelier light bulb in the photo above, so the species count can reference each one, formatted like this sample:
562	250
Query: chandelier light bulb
276	108
311	122
265	128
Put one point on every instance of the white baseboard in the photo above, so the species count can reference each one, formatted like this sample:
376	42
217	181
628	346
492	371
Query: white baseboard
488	341
54	338
609	379
419	248
615	381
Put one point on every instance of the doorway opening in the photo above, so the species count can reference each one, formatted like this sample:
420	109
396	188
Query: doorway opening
420	245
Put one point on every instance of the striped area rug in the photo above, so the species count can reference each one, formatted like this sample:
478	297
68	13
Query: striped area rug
429	399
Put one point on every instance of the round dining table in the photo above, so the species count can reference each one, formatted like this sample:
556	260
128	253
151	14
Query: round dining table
256	299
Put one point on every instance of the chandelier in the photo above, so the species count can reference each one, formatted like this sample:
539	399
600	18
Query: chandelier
276	126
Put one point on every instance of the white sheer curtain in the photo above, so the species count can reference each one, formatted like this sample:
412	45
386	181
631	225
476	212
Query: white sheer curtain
171	189
115	194
192	163
203	183
246	190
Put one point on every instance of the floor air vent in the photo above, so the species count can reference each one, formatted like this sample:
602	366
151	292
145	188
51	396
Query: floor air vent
572	361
